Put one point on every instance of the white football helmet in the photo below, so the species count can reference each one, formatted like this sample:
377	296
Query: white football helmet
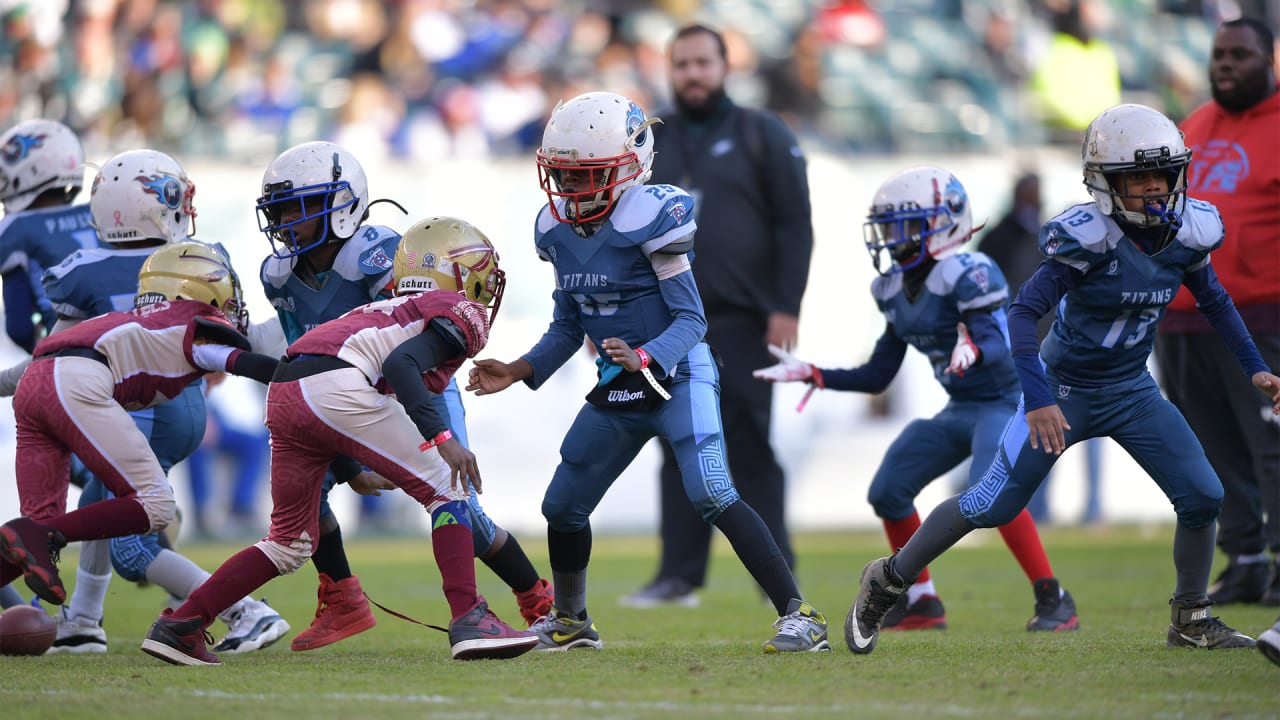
142	195
314	180
920	211
1129	138
595	146
36	156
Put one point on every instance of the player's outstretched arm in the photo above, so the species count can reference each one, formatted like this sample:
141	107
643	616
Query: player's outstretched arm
788	369
490	376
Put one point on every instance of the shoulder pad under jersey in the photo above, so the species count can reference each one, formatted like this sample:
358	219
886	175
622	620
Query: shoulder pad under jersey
654	217
1202	228
972	278
1080	237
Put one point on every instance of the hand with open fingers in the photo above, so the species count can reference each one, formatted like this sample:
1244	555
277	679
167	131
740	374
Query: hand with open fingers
1270	386
788	369
369	482
489	376
1048	428
965	353
620	353
462	464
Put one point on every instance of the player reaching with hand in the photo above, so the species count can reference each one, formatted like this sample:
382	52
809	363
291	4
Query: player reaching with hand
329	399
1111	268
950	306
621	252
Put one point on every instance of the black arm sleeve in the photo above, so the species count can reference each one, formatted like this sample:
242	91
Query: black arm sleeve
787	192
345	468
404	367
254	366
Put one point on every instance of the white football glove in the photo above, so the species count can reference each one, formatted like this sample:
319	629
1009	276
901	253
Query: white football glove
965	353
788	369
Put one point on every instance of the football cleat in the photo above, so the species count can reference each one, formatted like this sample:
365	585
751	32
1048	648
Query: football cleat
1055	609
34	549
926	613
536	601
802	629
342	610
1269	643
255	627
1240	583
1193	626
179	641
480	635
78	635
558	633
878	592
668	591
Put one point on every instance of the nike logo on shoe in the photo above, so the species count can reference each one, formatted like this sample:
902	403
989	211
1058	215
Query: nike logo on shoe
559	637
492	629
1198	640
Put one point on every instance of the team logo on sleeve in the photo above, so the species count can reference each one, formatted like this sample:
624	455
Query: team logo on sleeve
379	259
166	188
1052	243
19	146
979	277
677	210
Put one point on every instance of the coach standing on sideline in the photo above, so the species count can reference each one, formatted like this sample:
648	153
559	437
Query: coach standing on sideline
1234	166
752	251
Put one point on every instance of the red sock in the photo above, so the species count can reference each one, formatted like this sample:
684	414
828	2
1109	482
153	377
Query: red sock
455	556
1023	539
112	518
240	575
900	531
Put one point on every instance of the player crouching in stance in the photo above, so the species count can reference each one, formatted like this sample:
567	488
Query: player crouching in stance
621	249
76	394
950	306
329	399
1112	266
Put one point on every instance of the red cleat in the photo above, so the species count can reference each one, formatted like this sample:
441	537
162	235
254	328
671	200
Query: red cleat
342	610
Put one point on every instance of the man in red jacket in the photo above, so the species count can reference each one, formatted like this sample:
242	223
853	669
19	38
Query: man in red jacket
1235	166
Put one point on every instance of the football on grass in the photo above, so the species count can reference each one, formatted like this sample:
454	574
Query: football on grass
26	630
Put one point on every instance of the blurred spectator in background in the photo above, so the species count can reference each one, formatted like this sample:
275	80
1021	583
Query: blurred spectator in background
235	450
1078	76
1233	166
1014	245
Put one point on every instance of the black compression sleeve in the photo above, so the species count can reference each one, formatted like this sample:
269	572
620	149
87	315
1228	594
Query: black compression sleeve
254	366
403	371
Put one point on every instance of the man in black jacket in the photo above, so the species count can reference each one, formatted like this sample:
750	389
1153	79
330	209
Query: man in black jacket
754	242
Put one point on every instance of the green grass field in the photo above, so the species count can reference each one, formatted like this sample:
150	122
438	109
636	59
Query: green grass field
703	662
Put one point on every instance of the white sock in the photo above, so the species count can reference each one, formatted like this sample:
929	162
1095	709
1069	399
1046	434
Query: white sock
919	590
176	574
93	576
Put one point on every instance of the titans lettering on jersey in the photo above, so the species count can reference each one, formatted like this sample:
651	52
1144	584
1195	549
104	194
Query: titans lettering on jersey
609	276
360	271
958	284
1092	342
36	240
148	349
366	335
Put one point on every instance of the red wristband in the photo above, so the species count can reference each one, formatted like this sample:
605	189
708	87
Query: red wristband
644	358
442	437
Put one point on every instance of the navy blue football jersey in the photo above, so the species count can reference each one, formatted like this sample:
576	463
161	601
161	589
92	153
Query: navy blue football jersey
607	283
956	285
360	272
1105	327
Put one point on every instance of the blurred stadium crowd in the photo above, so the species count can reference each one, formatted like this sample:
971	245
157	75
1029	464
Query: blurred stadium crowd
419	79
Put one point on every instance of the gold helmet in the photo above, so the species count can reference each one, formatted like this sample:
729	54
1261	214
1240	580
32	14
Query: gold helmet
192	271
445	253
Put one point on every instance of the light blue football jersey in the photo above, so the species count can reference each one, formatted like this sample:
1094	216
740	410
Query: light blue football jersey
1105	327
609	276
39	239
956	285
98	280
361	269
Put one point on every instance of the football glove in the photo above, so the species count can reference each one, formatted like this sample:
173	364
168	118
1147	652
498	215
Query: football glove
788	369
965	354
